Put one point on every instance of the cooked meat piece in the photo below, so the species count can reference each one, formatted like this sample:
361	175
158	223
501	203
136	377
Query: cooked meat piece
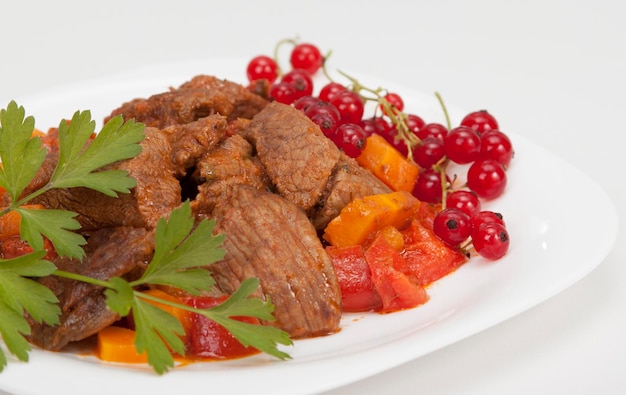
202	96
119	252
190	141
348	182
297	157
231	163
156	194
270	238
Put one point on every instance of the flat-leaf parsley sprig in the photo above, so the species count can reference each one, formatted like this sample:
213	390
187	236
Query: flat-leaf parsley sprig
182	248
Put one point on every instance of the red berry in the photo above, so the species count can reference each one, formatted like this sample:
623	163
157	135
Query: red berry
304	102
487	178
453	226
436	130
307	57
428	186
350	106
414	123
398	143
350	138
320	106
283	92
329	90
462	145
481	121
262	67
428	152
486	217
301	80
376	125
497	146
465	201
327	124
491	240
395	102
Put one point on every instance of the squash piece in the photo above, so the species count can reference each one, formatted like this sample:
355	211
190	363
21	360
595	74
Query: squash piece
388	164
362	216
10	222
117	344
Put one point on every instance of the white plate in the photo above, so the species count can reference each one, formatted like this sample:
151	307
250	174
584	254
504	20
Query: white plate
556	239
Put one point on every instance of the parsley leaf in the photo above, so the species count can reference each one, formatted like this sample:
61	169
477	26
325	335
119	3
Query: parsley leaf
21	155
177	251
18	294
56	225
116	141
263	338
157	329
81	158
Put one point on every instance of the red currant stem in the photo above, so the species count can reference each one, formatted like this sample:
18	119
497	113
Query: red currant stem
397	117
325	59
467	248
444	182
292	41
445	110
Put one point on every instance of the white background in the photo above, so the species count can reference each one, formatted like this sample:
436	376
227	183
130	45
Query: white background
552	71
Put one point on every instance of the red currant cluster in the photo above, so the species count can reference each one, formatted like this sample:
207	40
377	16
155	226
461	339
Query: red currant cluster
477	142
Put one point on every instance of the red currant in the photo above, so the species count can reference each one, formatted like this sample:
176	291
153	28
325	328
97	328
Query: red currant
304	102
327	124
392	138
453	226
491	240
487	178
307	57
329	91
428	186
486	217
301	80
497	146
376	125
462	145
262	67
428	152
320	106
481	121
465	201
395	102
350	138
414	123
436	130
350	106
283	92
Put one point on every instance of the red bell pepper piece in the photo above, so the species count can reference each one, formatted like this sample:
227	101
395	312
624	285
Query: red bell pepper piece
355	279
208	339
427	257
396	289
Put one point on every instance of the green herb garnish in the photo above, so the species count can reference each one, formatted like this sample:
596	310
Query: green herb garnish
182	249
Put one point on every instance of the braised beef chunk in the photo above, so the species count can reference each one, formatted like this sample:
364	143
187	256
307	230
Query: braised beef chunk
198	98
109	252
348	182
231	163
263	170
156	194
270	238
297	157
190	141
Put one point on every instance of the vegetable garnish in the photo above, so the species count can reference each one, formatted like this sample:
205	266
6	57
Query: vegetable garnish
182	248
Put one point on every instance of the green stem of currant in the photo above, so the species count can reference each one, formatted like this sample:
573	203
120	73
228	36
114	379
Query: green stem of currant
445	110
